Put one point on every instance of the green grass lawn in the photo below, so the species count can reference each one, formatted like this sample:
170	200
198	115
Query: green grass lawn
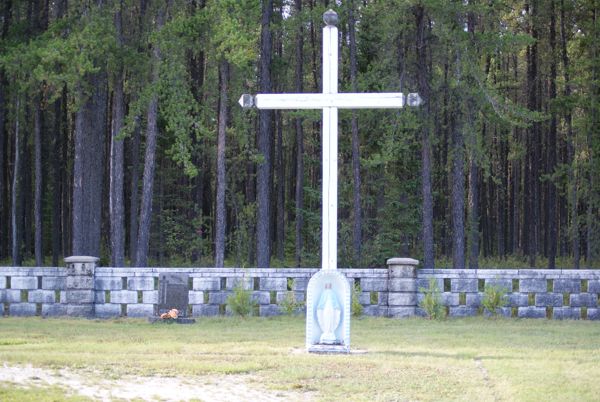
414	359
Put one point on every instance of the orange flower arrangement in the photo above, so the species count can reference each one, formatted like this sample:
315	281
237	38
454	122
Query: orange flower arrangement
172	314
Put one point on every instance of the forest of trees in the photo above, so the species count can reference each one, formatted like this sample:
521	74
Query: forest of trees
121	136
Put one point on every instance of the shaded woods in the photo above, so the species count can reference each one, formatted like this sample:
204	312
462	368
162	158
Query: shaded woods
120	135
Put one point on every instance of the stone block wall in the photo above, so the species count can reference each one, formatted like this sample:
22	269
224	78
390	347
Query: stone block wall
33	291
531	293
104	292
82	289
133	292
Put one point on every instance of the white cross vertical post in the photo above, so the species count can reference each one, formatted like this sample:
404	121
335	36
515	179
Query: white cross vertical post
330	146
330	101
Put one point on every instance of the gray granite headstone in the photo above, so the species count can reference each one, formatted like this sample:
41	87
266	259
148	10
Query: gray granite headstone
173	292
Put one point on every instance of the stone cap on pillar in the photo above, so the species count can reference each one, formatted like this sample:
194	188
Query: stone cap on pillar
81	265
402	261
402	268
81	258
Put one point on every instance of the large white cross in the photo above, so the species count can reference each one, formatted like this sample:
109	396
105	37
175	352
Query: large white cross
330	101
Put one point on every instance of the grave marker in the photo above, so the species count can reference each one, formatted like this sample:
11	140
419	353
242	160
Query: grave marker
173	293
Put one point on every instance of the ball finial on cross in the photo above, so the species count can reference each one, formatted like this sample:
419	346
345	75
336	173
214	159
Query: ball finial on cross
330	17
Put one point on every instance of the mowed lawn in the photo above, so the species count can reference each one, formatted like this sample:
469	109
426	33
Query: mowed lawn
413	359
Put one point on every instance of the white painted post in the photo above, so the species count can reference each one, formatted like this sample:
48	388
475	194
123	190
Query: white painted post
330	150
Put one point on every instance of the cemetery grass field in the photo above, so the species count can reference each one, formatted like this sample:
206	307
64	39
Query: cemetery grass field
413	359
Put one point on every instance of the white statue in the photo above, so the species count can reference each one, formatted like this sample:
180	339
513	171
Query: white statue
328	315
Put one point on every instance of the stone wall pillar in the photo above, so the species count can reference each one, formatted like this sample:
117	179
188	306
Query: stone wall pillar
402	284
80	286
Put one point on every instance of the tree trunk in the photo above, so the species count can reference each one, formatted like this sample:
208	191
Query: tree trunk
513	221
531	183
458	195
423	85
143	237
37	203
134	152
117	207
517	194
59	138
473	210
457	190
250	199
592	135
67	153
263	216
134	200
90	129
473	174
572	186
6	13
15	199
299	195
314	44
57	180
88	168
551	202
220	220
196	67
501	199
356	179
159	252
26	183
280	169
3	224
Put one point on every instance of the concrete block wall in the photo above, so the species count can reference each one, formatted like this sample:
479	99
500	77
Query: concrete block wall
133	292
531	293
33	291
82	289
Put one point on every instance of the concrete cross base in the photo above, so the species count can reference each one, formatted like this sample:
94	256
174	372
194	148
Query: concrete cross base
329	349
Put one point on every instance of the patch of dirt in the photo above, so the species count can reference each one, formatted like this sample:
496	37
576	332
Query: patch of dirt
94	386
486	377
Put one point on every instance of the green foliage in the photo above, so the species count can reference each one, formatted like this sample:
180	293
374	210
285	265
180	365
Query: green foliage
289	305
232	29
485	72
64	54
240	302
494	297
178	110
432	301
183	237
241	236
356	307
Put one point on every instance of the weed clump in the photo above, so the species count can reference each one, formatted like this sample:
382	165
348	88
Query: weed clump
357	308
432	301
240	301
289	305
494	298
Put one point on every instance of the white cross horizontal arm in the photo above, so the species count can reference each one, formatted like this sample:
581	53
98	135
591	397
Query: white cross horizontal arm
389	100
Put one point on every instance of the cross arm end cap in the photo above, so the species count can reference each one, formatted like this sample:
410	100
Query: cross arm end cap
247	101
330	17
413	99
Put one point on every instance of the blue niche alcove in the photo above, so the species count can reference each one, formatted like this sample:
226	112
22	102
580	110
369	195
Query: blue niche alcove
328	289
